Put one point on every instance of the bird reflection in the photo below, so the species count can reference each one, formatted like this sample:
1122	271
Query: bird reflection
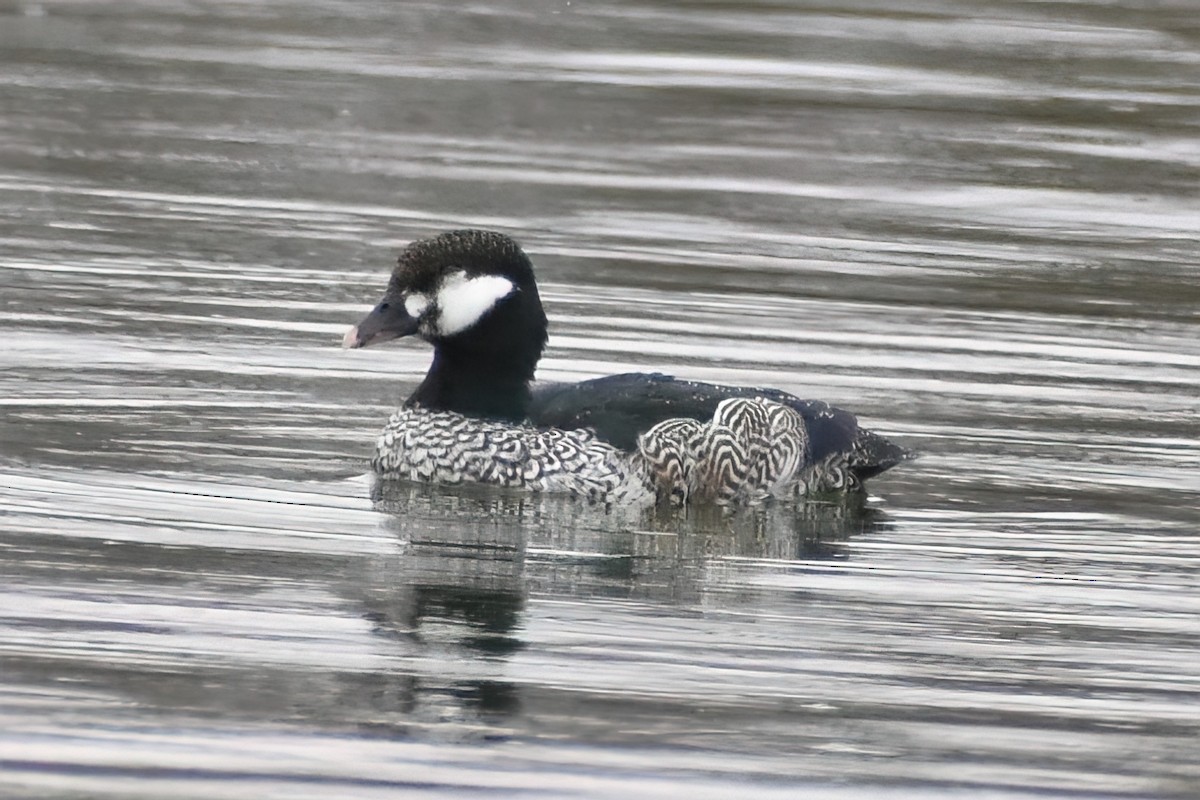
469	559
472	555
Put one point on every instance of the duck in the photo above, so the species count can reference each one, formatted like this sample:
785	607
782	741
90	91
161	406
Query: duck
478	417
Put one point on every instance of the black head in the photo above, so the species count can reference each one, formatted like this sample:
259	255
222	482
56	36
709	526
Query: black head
472	295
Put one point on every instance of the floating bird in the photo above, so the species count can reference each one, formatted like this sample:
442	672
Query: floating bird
634	437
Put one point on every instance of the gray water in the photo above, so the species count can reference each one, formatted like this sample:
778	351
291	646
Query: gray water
974	226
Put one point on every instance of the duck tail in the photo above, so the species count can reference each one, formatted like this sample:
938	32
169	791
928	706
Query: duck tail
872	454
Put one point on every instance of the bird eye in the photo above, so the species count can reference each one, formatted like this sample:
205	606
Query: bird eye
383	306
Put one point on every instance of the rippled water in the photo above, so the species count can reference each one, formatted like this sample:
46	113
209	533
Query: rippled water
974	227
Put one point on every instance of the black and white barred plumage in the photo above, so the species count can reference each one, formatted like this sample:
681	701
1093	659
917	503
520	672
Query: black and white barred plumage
449	448
751	450
624	438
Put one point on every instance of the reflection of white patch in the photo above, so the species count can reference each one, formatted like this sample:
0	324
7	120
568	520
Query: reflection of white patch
463	301
415	304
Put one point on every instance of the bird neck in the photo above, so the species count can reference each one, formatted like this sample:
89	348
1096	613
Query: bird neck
475	385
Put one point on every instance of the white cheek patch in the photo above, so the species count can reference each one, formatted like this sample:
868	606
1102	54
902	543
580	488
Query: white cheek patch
415	304
463	301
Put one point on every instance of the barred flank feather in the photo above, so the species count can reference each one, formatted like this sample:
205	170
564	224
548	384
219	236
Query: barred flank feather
664	450
448	448
752	449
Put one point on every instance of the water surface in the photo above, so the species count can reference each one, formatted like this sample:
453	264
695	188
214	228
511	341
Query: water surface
975	228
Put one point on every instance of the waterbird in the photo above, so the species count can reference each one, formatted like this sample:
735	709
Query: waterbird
634	437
